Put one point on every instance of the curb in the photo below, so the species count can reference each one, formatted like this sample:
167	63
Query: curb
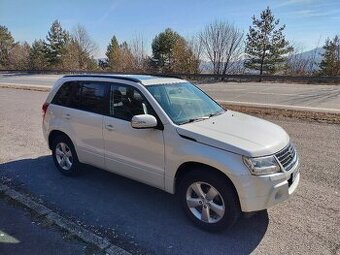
41	88
331	116
319	115
86	235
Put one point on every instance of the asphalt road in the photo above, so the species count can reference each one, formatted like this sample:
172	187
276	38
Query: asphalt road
324	97
144	219
22	233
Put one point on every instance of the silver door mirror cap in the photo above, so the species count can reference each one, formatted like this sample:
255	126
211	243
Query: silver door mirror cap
143	121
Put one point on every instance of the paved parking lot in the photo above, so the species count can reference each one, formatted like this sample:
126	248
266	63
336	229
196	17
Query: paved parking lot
279	94
146	220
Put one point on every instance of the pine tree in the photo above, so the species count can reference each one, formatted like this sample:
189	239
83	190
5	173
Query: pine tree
55	45
330	64
37	57
171	53
162	49
184	60
119	57
6	44
266	46
126	59
113	54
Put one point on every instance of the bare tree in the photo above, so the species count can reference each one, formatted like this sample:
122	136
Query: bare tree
222	45
126	61
79	51
138	51
195	44
83	39
18	58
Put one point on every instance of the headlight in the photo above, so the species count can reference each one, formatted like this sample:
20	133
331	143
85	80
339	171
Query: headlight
262	165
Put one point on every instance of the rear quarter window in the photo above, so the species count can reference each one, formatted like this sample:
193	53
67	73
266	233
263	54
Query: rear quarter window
63	95
93	97
86	96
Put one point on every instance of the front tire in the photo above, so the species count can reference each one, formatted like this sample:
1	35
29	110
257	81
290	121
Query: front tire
64	156
209	200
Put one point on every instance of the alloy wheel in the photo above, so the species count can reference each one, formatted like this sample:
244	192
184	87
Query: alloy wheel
64	156
205	202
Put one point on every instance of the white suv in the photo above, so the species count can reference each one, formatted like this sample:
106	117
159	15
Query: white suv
167	133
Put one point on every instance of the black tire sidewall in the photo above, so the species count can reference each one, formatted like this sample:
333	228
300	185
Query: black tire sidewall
232	207
74	170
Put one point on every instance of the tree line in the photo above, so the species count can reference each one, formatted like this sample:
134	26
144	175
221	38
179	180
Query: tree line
219	48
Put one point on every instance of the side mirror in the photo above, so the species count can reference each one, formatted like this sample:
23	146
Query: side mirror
143	121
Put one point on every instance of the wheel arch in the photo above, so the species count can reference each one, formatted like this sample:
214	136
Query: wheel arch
53	134
190	166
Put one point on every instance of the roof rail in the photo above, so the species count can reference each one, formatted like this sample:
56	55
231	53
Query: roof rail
127	78
166	75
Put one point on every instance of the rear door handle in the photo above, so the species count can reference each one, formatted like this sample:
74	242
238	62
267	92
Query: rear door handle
109	127
67	116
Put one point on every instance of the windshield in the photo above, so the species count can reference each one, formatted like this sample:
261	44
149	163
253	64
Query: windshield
184	102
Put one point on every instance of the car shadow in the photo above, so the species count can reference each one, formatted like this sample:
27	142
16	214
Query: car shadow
150	217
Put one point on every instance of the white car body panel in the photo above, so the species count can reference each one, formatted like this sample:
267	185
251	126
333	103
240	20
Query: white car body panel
154	156
134	153
239	133
87	132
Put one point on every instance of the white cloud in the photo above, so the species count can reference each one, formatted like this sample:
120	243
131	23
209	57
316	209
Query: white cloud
108	12
314	13
283	3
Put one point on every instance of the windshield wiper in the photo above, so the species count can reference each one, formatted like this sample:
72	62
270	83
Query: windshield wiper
195	119
202	117
215	114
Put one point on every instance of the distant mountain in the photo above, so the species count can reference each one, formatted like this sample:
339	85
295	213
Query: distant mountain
314	53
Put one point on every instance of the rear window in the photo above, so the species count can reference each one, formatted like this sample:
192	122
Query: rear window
63	95
87	96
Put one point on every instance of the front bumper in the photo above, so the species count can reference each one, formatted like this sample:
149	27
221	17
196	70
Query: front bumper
261	192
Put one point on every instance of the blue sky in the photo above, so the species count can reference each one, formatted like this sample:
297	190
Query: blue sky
308	22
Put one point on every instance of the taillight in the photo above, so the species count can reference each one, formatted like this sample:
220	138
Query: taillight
44	109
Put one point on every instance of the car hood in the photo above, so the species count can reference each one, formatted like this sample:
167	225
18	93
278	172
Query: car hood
238	133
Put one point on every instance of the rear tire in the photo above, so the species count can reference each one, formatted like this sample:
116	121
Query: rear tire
64	156
209	200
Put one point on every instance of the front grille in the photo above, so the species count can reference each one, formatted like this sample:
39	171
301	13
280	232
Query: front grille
287	157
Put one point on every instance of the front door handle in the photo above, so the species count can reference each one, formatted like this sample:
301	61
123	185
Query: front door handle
109	127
